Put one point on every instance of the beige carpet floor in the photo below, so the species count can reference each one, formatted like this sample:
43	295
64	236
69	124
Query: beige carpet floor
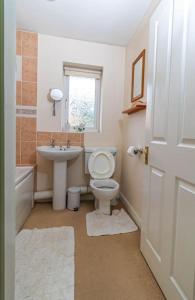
107	267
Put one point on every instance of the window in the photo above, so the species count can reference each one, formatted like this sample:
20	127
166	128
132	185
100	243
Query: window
82	90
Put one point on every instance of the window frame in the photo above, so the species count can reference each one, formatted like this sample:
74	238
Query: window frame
96	127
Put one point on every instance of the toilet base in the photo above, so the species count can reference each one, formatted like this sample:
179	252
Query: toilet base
103	206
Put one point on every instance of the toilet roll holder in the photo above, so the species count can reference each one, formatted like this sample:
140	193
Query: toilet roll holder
138	150
145	151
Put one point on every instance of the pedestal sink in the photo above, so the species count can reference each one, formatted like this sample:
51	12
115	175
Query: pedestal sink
59	155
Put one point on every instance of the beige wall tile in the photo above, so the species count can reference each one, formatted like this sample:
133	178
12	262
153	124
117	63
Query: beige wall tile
59	137
26	94
18	92
74	138
18	121
18	156
29	44
18	42
29	93
75	144
43	138
28	129
18	141
28	153
82	139
18	67
29	69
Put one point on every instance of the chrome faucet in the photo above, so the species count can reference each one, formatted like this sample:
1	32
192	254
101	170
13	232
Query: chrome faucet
68	144
52	144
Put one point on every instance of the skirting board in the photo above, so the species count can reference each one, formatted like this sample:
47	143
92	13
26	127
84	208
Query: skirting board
131	210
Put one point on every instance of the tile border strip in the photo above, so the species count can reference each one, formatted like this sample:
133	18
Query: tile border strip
26	111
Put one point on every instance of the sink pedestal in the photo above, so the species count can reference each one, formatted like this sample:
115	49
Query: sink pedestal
60	155
59	185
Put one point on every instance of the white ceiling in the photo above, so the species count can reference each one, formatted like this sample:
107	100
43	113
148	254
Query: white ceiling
105	21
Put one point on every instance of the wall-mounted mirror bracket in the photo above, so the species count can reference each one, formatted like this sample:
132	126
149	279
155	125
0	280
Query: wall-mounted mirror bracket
55	95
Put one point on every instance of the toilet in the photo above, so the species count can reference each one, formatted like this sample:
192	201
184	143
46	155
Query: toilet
101	167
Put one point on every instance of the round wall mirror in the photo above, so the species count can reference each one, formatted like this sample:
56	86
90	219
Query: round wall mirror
55	95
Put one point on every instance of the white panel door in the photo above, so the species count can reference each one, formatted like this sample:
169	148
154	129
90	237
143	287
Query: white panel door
168	234
157	175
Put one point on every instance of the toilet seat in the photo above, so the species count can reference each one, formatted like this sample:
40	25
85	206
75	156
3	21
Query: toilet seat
101	164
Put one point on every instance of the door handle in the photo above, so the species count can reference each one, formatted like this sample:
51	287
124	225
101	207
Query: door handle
146	154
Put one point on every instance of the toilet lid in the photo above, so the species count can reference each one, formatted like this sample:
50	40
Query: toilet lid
101	164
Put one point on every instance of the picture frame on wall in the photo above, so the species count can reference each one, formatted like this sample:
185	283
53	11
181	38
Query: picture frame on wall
137	82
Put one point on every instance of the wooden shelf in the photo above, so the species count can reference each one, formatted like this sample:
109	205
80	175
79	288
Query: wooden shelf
134	108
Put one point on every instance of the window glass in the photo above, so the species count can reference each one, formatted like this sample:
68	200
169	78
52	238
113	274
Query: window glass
82	101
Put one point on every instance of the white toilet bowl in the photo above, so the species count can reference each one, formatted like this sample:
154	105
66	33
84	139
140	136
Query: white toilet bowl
104	191
101	167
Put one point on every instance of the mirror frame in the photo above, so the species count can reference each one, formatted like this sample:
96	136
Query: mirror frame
140	56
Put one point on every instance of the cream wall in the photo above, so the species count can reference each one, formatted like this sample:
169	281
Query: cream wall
133	132
133	126
52	53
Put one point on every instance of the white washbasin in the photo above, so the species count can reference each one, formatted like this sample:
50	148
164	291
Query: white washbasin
59	153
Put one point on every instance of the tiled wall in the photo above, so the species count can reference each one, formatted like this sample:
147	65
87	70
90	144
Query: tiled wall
25	140
27	137
26	97
26	50
60	138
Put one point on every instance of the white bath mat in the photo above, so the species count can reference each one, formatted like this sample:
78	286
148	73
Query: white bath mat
118	222
45	264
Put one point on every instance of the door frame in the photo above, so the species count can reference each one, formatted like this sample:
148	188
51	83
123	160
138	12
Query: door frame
7	143
2	149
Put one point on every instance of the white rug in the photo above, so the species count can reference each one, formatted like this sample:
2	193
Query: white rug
45	264
118	222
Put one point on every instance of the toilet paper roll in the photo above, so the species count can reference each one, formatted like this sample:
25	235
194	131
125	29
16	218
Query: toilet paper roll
131	150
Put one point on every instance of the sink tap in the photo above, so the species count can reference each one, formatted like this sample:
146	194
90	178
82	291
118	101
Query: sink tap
52	144
68	144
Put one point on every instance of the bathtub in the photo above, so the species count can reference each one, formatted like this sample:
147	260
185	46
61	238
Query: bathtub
24	187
